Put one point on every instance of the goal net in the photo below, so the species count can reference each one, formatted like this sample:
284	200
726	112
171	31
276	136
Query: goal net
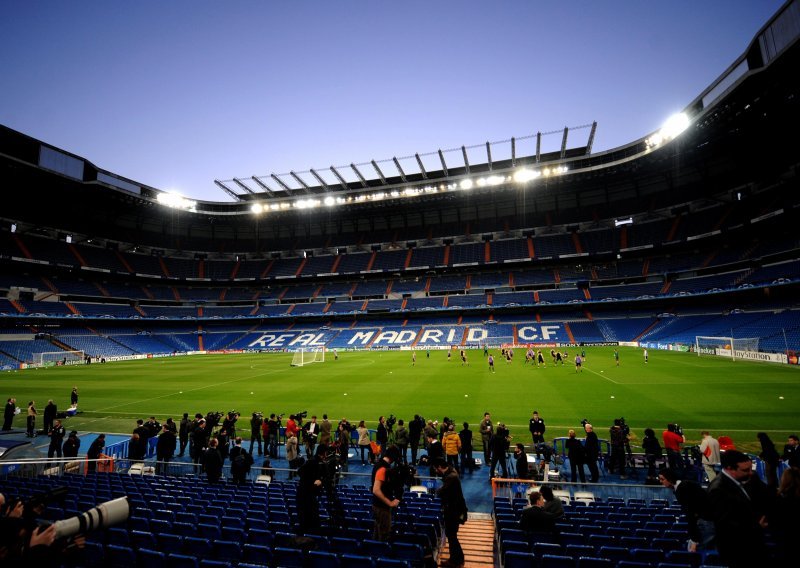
725	346
307	356
52	358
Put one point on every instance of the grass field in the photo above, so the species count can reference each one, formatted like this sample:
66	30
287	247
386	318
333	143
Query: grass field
734	398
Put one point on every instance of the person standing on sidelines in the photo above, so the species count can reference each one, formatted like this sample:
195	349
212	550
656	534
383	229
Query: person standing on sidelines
709	447
616	356
9	413
537	430
487	431
455	509
56	434
645	356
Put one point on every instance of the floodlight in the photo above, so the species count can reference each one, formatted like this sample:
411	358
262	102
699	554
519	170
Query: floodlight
623	222
176	201
495	180
674	125
330	201
13	227
525	175
257	208
466	184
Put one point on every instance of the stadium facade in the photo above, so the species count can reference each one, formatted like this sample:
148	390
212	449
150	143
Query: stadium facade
657	242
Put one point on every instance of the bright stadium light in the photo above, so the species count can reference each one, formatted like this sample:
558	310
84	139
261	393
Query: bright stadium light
525	175
466	184
330	201
176	201
495	180
257	208
672	128
675	125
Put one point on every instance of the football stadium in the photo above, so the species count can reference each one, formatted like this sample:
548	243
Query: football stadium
344	322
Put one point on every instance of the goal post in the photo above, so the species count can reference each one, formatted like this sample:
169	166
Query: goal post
725	346
53	358
307	356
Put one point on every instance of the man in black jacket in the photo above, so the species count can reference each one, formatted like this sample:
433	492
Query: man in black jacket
9	413
537	429
50	412
592	451
165	448
255	431
738	501
414	433
535	518
455	509
183	433
212	461
241	460
694	502
499	446
56	434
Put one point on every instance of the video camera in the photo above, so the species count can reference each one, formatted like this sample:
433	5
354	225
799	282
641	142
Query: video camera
300	415
584	422
621	423
390	422
675	427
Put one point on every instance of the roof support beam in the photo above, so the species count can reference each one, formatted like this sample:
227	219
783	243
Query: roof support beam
241	184
444	165
340	178
466	160
421	167
564	143
227	189
280	182
262	185
538	147
300	181
513	152
319	179
489	155
360	177
399	169
380	173
591	138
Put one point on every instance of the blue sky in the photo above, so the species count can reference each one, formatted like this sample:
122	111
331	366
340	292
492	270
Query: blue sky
176	94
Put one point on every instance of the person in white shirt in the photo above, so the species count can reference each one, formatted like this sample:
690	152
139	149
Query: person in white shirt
709	447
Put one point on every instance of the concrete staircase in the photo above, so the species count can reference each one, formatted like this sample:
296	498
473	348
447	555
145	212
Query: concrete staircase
477	539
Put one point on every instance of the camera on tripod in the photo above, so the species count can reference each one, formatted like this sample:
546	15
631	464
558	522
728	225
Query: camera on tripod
675	427
300	415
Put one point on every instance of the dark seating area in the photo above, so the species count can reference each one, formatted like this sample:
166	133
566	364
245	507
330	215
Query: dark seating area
186	521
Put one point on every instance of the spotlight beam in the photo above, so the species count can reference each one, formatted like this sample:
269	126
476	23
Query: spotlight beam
399	169
262	185
421	167
227	190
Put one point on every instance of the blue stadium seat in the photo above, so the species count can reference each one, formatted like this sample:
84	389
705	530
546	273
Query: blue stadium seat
256	554
120	556
141	539
287	557
556	561
684	557
520	560
614	553
650	555
593	562
344	545
170	543
260	537
578	550
234	534
208	532
117	536
152	558
183	529
139	523
321	559
93	555
375	548
357	561
207	563
541	548
226	550
181	561
197	546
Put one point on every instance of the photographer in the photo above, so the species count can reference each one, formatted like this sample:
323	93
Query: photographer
229	424
499	446
56	434
401	439
256	421
618	439
383	496
382	433
274	425
414	433
199	440
673	438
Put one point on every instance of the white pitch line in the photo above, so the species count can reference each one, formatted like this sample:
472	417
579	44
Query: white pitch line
601	376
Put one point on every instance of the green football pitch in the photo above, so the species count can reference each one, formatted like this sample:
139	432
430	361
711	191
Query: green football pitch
734	398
